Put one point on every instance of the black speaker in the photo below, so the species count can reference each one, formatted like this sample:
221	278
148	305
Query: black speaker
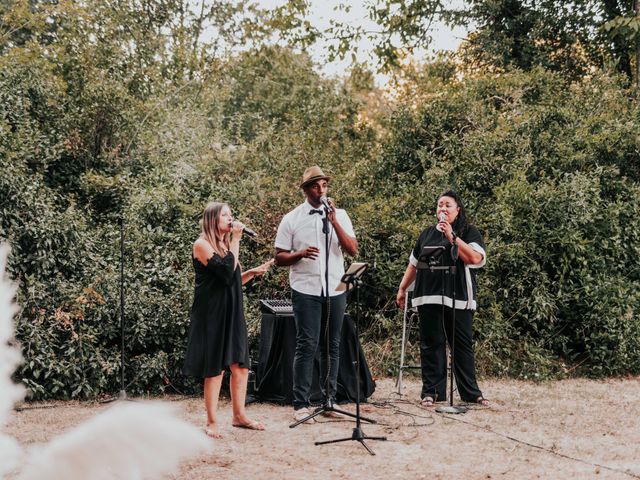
275	363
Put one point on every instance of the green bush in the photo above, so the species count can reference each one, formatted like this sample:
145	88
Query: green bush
548	171
532	157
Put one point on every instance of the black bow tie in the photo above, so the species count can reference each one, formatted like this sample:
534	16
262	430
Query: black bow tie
313	210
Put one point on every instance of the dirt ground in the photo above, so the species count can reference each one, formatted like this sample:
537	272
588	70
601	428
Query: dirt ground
566	429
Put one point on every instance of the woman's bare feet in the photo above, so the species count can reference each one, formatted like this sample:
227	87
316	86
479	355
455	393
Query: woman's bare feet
211	430
246	422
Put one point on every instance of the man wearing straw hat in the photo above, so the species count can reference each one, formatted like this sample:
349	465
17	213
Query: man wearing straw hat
300	245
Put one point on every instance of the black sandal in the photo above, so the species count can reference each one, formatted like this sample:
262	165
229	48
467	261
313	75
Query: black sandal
483	402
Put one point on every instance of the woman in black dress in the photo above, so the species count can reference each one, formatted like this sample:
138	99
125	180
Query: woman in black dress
455	234
218	334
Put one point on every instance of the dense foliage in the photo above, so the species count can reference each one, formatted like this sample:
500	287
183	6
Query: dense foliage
549	171
97	129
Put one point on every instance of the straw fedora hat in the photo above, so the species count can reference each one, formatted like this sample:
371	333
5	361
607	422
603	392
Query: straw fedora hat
312	174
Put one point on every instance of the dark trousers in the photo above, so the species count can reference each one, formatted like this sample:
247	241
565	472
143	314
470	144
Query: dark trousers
433	353
310	314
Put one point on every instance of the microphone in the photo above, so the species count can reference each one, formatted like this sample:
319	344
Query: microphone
325	203
249	233
246	230
442	217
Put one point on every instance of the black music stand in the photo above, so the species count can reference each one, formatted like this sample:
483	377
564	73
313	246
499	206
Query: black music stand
351	280
432	258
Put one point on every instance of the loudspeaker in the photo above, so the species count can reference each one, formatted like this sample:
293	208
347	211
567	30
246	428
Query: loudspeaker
275	363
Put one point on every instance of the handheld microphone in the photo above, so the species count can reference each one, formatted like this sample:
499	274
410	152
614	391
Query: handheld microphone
246	230
249	233
442	217
325	203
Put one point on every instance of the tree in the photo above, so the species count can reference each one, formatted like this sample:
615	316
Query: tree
562	36
623	29
556	35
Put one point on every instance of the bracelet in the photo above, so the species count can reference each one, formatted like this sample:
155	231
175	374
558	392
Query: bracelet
455	238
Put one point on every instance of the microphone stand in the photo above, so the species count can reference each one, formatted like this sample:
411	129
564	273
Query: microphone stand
451	408
123	392
352	280
327	404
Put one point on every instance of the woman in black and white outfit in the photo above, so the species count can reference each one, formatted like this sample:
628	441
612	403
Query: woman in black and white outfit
454	233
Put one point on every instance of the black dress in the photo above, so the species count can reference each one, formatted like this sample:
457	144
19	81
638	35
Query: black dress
218	333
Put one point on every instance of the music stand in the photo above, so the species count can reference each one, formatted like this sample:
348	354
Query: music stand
432	258
351	280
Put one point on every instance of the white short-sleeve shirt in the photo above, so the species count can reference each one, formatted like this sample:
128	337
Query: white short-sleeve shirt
298	230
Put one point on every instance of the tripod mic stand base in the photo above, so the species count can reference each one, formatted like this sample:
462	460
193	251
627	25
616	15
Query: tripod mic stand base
122	396
328	407
357	435
452	409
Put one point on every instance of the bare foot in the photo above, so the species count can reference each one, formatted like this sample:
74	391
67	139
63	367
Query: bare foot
211	430
246	422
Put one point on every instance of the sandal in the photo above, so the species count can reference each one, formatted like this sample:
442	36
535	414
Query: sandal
483	402
427	401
